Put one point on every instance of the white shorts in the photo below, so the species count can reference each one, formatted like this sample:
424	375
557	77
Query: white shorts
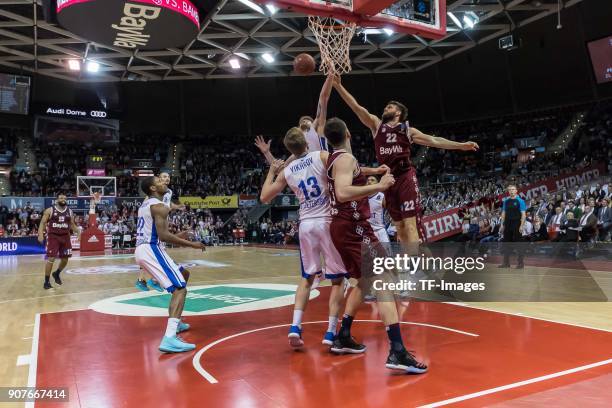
315	241
381	234
164	270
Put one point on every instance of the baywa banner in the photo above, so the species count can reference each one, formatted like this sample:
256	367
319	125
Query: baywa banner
488	272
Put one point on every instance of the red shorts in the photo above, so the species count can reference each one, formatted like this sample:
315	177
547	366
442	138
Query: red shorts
403	199
348	236
58	246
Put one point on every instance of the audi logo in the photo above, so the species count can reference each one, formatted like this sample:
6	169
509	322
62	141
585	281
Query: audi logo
97	114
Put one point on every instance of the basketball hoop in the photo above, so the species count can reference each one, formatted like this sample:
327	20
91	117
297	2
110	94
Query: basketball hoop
334	39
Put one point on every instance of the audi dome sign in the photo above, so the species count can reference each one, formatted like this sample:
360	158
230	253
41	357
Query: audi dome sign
135	24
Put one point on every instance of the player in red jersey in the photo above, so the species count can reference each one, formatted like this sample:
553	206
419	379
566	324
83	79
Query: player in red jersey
350	229
393	140
57	221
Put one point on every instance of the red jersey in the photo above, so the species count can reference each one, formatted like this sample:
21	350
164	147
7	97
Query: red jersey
393	145
59	221
349	210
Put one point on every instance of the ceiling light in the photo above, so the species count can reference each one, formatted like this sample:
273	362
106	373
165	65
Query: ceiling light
455	19
468	21
252	5
368	31
388	31
268	58
93	66
272	8
243	55
74	65
234	63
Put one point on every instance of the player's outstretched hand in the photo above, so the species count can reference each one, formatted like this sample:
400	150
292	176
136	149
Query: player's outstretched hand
386	181
262	145
41	238
383	169
470	146
198	245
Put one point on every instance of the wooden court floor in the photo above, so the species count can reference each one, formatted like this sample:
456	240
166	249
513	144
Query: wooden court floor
484	354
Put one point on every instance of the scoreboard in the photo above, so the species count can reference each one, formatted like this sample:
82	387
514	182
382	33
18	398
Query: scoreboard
95	165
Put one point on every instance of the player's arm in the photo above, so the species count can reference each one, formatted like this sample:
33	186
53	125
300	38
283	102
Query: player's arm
264	148
371	121
440	143
43	225
321	118
272	187
324	157
160	216
74	228
373	171
343	181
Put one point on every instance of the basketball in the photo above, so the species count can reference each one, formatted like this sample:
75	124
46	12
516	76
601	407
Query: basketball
304	64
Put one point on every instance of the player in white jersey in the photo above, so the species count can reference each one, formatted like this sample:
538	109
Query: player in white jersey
152	230
306	176
377	212
142	282
312	129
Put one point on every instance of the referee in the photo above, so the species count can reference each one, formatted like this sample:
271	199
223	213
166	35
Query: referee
513	219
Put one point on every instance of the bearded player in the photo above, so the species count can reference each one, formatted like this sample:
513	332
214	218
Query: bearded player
313	129
57	221
142	282
393	140
151	255
350	229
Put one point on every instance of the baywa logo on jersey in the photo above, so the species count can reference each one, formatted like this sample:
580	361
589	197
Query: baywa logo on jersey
204	300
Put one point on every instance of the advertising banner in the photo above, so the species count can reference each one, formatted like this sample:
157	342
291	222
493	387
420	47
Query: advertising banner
20	246
38	203
217	202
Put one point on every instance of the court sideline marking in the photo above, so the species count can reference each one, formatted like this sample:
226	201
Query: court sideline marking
33	357
198	366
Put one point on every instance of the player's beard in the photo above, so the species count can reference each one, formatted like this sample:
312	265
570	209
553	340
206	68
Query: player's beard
305	127
388	117
61	205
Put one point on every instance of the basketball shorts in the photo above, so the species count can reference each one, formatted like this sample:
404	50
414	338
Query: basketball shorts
162	268
58	246
403	199
316	242
381	234
348	236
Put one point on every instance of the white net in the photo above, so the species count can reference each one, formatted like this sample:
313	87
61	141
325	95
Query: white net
334	39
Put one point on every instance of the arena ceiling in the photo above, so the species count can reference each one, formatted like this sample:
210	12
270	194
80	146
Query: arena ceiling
230	28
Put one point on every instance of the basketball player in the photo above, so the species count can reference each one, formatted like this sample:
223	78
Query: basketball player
57	221
142	283
151	255
350	229
393	140
377	212
313	129
306	177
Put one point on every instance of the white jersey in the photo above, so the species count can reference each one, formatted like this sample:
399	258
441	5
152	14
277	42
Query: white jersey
315	142
167	198
146	233
307	177
376	211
